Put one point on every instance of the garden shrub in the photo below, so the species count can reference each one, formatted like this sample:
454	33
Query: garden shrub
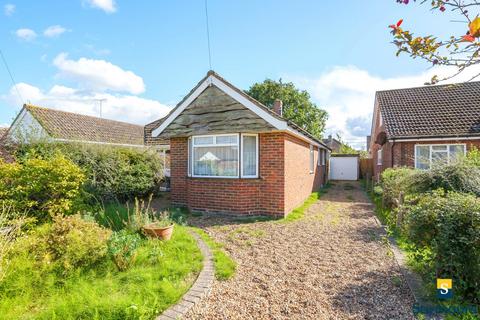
77	243
122	247
113	173
449	223
459	176
69	243
42	188
395	181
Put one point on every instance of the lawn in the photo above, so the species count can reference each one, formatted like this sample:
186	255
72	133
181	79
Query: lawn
162	272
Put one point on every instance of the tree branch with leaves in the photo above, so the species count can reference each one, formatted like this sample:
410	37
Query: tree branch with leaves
460	50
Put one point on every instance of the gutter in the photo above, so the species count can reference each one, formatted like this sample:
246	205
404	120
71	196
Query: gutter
439	138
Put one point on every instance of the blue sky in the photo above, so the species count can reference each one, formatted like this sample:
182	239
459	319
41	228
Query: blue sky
144	56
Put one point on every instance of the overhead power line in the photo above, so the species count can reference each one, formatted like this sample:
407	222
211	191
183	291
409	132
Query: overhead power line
208	36
11	76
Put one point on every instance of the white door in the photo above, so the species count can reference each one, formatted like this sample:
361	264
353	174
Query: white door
343	168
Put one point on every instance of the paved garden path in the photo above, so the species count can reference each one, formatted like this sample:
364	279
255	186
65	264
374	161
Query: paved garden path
332	264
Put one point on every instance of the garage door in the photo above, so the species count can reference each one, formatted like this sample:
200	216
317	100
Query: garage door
344	168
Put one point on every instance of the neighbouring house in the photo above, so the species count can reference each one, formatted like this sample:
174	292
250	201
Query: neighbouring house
231	154
333	144
417	127
37	123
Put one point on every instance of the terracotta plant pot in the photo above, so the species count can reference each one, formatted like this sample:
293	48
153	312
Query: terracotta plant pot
154	231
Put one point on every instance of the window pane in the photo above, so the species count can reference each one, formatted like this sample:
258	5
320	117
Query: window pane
439	148
215	161
203	140
439	157
189	157
227	139
249	155
456	150
422	159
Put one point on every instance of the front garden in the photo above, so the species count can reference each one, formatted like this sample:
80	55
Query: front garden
435	217
72	236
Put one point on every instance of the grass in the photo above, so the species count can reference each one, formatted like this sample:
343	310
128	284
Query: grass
163	271
299	212
224	265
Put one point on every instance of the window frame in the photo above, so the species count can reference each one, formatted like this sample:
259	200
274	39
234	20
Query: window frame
239	145
320	152
256	155
324	158
380	157
447	145
312	159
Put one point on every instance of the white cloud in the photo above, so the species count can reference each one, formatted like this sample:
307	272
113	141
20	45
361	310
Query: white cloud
26	34
347	93
9	9
126	108
109	6
98	75
54	31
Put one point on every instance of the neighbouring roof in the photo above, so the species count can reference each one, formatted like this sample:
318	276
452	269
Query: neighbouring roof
3	131
214	78
77	127
431	111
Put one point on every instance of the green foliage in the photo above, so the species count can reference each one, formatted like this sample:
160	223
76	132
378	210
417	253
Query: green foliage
297	106
224	265
395	181
42	188
112	172
69	243
459	176
449	223
76	243
162	272
122	247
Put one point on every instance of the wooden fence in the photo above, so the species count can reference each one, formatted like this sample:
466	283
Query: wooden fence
366	168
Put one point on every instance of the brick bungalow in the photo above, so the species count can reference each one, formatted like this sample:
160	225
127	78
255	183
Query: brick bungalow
231	154
417	127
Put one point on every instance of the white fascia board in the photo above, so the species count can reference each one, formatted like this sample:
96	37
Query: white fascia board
278	124
182	107
275	122
433	139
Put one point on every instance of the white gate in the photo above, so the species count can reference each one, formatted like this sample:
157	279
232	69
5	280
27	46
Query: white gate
344	167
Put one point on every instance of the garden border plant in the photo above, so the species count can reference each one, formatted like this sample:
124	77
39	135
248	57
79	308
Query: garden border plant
440	214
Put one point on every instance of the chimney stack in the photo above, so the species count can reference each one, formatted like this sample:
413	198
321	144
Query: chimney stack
330	137
278	107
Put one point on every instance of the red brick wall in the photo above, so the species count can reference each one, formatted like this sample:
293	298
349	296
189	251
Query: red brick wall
284	182
299	182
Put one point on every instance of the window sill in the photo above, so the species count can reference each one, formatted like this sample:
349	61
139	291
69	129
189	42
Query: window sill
225	178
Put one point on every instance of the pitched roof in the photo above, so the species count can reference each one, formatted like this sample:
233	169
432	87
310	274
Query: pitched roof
78	127
431	111
214	78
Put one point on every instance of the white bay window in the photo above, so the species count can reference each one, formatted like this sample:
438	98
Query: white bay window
428	155
223	156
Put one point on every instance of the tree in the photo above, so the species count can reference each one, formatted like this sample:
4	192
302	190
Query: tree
297	106
460	51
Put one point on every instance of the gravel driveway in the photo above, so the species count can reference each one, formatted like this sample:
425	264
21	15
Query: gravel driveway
332	264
